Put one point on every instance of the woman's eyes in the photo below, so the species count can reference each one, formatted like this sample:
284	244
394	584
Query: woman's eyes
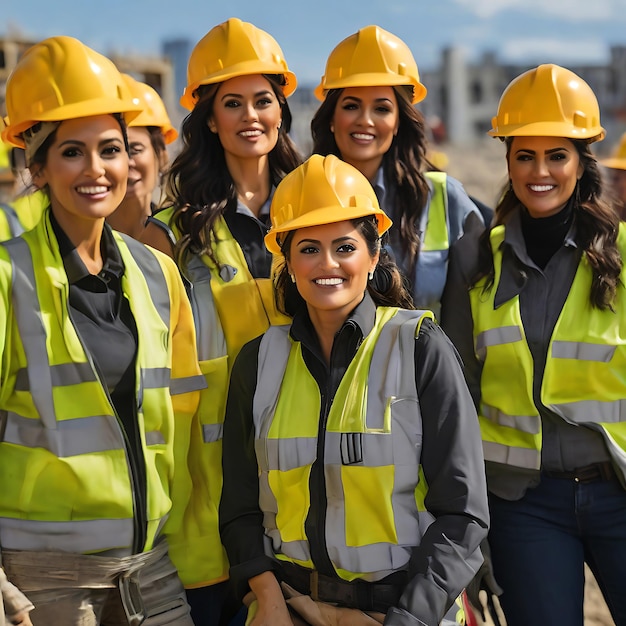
344	248
233	104
136	149
112	150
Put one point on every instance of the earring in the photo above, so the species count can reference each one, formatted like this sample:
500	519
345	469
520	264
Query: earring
280	124
293	278
332	129
370	275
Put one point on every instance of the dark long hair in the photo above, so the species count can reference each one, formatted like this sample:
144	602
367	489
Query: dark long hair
597	225
403	164
199	185
387	288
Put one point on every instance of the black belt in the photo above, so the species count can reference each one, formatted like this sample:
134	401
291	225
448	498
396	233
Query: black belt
358	594
595	472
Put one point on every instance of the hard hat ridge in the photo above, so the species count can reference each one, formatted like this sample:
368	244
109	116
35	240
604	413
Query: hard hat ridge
322	190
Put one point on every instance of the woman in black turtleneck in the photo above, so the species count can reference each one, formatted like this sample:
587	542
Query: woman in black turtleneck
536	307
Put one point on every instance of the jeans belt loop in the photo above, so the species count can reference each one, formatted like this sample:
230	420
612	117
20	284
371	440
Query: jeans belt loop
314	584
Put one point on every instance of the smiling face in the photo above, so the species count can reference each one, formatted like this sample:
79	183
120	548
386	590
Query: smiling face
364	123
330	264
543	172
246	117
143	176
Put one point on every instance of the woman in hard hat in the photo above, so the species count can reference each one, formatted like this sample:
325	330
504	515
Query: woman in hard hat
537	310
236	149
338	424
616	166
99	380
148	135
368	118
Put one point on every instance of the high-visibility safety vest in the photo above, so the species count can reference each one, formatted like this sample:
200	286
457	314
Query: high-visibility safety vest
66	479
21	214
436	235
584	380
230	308
373	436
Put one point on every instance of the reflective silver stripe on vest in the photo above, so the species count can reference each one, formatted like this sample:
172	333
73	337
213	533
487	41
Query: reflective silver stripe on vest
391	386
496	337
210	339
581	351
591	411
32	331
15	226
69	438
509	455
530	424
75	536
155	438
62	375
152	272
212	432
186	384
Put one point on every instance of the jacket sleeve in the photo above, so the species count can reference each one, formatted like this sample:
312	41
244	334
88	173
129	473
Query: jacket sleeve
241	519
186	382
456	310
448	555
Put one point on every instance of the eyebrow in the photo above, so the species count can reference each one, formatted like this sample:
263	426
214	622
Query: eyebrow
77	142
265	92
551	151
334	241
361	99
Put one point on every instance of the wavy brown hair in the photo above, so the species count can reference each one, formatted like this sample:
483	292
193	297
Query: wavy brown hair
387	288
597	226
404	163
199	185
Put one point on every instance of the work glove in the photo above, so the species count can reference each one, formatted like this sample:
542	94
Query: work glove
484	580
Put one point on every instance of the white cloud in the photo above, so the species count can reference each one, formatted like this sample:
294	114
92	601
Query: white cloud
553	50
567	10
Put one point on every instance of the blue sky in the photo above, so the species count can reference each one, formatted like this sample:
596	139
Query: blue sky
533	31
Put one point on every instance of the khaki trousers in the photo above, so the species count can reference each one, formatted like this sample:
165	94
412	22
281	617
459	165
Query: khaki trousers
80	590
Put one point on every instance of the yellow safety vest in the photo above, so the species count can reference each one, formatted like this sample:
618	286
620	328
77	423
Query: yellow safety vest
436	235
65	477
21	214
375	513
230	308
585	375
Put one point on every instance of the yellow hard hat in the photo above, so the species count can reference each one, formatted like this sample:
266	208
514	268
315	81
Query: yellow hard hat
234	48
322	190
548	101
58	79
153	110
369	58
617	160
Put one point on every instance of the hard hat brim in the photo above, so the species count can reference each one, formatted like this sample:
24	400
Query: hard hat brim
549	129
325	215
371	80
614	163
188	100
103	106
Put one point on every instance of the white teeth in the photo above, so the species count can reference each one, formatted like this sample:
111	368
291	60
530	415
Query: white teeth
364	136
92	190
329	281
541	187
250	133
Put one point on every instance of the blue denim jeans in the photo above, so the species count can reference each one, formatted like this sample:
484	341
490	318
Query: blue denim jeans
539	545
215	605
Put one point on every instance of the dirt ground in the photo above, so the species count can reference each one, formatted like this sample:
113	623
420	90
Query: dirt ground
481	168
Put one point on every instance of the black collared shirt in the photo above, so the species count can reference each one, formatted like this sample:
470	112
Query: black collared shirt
106	327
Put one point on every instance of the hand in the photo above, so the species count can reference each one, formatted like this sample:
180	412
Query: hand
21	619
269	607
483	580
